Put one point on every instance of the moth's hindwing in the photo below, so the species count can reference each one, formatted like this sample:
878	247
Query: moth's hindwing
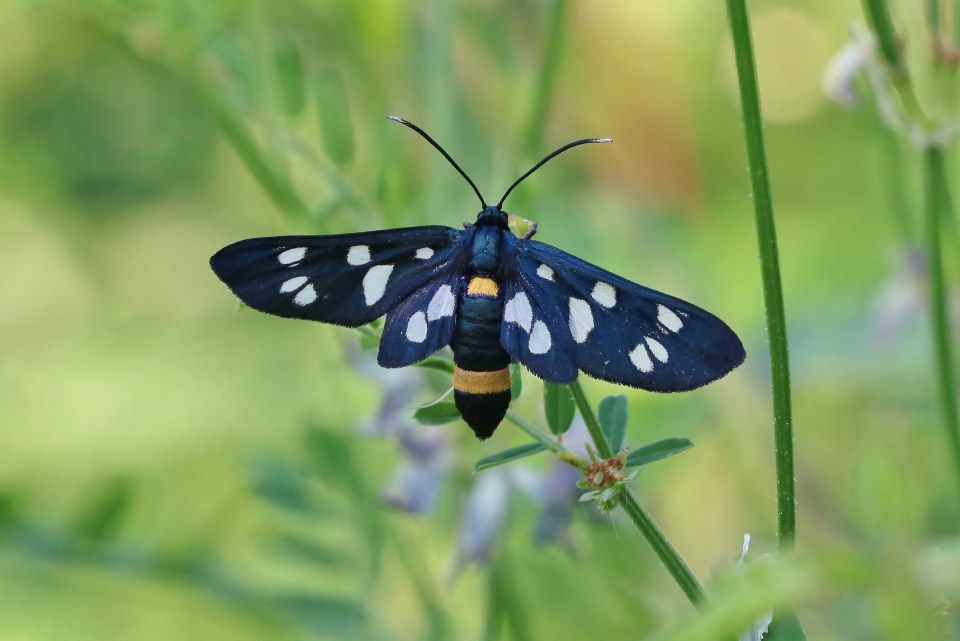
347	279
422	323
564	314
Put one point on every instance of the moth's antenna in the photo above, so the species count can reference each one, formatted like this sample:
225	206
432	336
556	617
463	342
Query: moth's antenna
433	142
575	143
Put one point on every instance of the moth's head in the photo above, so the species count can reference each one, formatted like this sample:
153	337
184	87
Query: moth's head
492	215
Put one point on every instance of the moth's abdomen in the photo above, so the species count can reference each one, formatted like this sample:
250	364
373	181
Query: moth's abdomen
482	398
481	380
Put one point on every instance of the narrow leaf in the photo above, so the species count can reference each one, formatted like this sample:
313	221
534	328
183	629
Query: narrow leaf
289	68
334	115
439	364
512	454
785	627
612	414
329	615
107	513
656	451
516	383
559	407
438	414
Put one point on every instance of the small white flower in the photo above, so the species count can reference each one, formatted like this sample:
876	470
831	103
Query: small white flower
846	65
759	628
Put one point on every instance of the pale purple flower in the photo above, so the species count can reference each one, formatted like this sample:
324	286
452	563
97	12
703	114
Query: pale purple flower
416	483
900	303
399	390
484	516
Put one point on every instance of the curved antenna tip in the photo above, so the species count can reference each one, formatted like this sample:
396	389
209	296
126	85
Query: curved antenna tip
601	140
426	136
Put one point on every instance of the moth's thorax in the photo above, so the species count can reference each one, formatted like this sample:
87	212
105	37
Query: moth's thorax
486	249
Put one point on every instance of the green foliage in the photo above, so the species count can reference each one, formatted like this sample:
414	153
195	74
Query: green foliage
437	414
656	451
288	63
612	414
333	113
558	406
140	137
508	456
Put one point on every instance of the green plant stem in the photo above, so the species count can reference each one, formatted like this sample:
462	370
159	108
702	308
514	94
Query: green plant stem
878	16
770	272
936	192
530	429
670	558
547	77
661	546
593	425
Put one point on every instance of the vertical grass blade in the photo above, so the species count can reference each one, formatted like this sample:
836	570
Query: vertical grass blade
770	271
547	75
878	16
936	193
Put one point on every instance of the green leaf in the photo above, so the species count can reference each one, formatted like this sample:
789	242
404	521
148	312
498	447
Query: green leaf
439	364
559	407
512	454
330	615
516	383
785	627
612	414
656	451
437	414
109	510
289	68
334	116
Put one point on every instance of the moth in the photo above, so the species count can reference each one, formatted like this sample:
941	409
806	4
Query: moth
493	297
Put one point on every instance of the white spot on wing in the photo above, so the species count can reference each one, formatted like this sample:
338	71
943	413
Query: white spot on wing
517	310
604	294
417	328
545	271
581	319
375	283
539	339
658	350
358	255
293	284
305	296
424	253
441	304
292	255
668	319
640	358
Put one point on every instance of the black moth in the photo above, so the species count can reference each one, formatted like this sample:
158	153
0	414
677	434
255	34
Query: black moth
490	295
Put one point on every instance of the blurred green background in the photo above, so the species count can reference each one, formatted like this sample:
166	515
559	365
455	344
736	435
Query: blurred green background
171	467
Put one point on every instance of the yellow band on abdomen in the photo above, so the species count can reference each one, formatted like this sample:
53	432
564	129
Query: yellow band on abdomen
483	286
471	382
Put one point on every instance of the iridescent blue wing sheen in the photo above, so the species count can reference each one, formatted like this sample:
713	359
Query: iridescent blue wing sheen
346	279
563	314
